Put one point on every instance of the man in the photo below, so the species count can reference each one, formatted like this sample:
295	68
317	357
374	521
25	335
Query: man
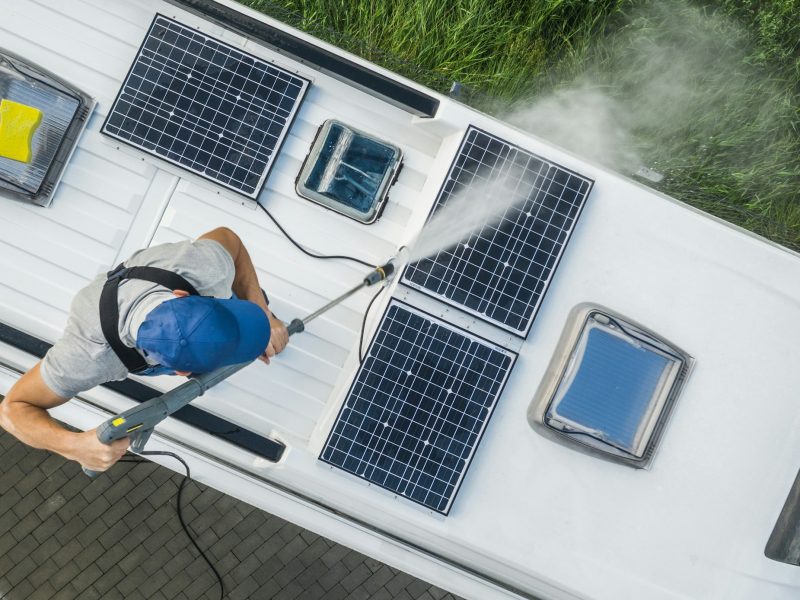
167	310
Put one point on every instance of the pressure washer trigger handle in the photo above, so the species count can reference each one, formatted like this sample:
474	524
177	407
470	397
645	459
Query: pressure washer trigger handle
296	326
107	432
139	439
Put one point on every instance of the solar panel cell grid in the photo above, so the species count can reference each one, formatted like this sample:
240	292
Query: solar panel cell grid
418	407
501	272
205	106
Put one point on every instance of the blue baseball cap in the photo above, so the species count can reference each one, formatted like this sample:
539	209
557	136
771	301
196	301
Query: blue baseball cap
200	333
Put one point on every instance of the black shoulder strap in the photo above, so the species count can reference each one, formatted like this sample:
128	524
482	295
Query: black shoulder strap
109	307
168	279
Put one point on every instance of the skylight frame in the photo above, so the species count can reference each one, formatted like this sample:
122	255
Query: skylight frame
332	167
40	79
565	367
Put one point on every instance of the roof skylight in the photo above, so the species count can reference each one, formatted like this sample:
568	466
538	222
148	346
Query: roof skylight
610	386
349	171
32	173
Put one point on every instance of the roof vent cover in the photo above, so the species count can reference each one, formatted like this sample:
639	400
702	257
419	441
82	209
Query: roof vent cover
610	386
349	171
64	112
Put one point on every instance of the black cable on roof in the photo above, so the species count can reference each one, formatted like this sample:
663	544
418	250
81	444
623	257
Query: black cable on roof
308	252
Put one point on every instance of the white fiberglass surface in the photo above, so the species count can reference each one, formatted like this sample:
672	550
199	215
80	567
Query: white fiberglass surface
530	512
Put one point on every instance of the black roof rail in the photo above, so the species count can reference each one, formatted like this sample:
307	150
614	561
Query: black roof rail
266	448
376	84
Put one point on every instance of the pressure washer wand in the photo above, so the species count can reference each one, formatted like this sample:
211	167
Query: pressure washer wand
138	423
379	274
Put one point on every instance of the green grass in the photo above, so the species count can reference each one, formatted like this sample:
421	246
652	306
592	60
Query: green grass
706	93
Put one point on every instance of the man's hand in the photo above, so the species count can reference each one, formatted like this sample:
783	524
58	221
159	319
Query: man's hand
94	455
278	337
23	413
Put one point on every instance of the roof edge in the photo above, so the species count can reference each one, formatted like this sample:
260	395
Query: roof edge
340	67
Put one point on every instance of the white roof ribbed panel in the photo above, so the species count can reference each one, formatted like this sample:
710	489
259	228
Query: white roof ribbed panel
531	513
114	200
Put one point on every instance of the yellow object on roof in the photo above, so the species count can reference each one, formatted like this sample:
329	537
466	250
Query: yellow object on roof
18	123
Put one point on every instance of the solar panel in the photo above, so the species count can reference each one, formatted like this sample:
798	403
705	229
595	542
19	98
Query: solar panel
418	407
205	106
501	272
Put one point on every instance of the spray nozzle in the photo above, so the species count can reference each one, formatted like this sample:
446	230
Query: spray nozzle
388	269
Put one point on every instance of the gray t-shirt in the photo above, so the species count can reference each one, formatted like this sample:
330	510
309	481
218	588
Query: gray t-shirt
82	358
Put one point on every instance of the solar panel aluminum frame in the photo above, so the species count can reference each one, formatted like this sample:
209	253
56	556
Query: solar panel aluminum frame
471	335
522	333
461	320
563	362
306	83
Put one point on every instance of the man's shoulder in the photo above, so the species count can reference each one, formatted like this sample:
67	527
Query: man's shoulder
77	362
204	263
84	319
178	253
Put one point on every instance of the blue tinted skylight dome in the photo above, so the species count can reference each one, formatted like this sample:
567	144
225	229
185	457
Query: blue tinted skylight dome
610	386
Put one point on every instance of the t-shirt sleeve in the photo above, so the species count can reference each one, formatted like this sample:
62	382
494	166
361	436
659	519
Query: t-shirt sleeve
74	365
210	268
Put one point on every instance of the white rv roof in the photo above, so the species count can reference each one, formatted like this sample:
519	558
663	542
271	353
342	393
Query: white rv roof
531	514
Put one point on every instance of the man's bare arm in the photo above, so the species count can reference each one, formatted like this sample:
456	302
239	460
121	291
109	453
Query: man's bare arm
23	413
246	286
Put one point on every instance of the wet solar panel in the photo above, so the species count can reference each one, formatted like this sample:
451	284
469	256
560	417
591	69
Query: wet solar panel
501	272
418	407
206	106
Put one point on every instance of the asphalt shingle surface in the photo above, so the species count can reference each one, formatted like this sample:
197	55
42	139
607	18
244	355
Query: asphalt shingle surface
66	537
